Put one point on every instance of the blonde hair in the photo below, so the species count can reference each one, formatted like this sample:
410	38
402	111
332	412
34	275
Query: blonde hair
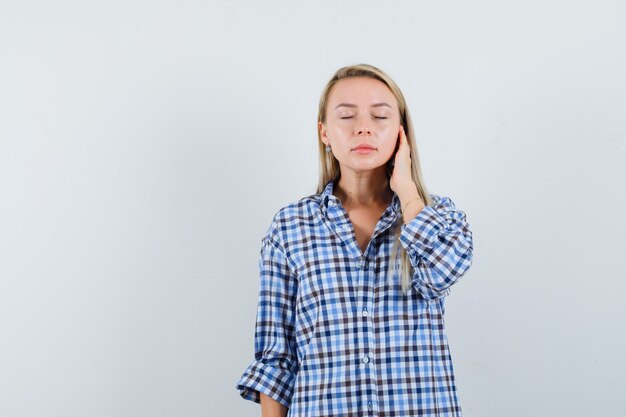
330	170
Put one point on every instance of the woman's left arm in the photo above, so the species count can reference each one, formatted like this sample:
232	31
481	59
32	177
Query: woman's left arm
439	243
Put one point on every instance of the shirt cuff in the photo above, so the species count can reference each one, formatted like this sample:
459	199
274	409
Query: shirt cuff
274	382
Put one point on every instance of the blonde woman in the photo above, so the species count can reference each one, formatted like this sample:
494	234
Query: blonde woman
353	278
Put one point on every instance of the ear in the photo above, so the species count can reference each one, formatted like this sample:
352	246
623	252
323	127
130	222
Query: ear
322	130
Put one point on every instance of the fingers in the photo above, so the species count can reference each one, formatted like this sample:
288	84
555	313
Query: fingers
404	142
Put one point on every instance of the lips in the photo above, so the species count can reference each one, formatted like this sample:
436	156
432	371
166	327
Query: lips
364	147
363	150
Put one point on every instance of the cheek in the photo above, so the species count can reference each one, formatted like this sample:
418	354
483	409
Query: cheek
391	146
339	128
392	137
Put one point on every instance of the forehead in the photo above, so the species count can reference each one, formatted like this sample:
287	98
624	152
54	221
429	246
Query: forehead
361	91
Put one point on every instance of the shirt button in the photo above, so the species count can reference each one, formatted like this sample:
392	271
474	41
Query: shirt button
331	203
363	263
366	359
369	405
365	312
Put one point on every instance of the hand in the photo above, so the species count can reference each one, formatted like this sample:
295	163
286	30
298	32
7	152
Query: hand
401	180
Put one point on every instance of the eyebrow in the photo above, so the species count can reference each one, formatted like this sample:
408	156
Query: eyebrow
354	105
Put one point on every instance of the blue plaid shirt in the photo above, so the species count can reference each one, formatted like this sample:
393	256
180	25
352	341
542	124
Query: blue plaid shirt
334	336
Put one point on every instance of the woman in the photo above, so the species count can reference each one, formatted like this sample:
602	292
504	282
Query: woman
353	278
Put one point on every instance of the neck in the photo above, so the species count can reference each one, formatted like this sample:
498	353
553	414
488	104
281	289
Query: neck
369	188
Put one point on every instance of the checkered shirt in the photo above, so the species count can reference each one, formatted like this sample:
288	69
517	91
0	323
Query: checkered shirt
335	335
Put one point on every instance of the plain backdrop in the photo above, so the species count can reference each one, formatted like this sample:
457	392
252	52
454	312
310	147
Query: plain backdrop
146	145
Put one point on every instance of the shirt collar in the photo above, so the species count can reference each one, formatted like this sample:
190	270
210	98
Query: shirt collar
327	195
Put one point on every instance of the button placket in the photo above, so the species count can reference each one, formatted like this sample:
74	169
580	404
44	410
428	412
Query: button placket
370	336
366	312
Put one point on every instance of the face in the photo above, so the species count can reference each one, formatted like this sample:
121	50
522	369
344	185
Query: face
361	111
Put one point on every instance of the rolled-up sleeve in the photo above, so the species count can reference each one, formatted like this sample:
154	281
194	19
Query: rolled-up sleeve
439	244
274	368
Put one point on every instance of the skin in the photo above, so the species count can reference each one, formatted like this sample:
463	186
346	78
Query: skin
272	408
363	188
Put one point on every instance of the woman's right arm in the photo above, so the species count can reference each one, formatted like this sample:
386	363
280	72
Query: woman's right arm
275	366
272	408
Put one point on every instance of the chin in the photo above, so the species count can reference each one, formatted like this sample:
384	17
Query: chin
364	167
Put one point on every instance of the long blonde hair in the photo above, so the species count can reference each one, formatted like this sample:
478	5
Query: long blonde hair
330	170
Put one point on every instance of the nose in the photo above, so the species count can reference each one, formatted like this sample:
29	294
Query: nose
363	130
